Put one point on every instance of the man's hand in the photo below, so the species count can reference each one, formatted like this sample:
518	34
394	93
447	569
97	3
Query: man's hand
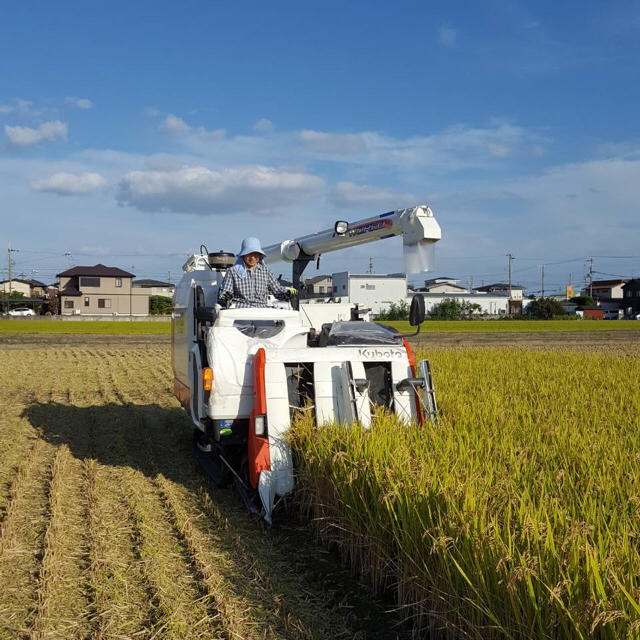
291	292
225	298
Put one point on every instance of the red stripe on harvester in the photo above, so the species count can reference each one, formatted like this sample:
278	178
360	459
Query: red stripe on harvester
258	447
412	364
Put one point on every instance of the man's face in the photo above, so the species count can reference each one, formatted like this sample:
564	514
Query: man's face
251	259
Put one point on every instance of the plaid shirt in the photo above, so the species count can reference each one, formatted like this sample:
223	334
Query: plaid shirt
252	289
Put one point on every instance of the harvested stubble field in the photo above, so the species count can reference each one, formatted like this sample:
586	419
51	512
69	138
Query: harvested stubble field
108	529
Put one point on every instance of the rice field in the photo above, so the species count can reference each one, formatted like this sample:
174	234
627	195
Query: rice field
109	530
516	516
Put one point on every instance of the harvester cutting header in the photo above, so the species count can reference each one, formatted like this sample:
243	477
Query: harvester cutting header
243	373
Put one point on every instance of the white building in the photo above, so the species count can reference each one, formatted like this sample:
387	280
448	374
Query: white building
375	292
490	304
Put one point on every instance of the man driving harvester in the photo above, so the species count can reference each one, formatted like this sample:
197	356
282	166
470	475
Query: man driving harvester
249	282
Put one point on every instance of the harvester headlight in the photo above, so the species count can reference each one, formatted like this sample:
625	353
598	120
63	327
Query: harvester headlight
260	425
341	227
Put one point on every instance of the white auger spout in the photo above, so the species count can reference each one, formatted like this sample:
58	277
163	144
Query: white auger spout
417	226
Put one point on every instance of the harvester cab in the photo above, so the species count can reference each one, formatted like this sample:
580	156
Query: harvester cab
243	374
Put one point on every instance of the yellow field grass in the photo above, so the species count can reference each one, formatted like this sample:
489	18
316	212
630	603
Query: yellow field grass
515	516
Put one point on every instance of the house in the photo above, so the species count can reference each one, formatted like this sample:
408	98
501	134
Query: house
318	286
28	288
604	289
516	292
101	290
631	297
371	291
156	287
443	285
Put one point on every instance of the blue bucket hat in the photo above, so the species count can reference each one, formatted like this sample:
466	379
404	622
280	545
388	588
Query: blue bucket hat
251	245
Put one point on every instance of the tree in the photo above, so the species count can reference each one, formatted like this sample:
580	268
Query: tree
582	301
448	309
544	309
452	309
159	305
396	311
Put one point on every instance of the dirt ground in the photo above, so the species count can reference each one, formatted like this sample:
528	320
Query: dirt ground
623	342
616	341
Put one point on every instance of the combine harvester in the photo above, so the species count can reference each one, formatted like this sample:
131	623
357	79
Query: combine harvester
243	374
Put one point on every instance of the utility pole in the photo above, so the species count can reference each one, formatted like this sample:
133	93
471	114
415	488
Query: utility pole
470	284
509	300
370	265
10	273
591	276
68	257
542	282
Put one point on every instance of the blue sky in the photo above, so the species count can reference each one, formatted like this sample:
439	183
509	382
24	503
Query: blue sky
134	132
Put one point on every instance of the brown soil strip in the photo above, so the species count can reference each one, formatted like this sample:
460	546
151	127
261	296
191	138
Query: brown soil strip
622	342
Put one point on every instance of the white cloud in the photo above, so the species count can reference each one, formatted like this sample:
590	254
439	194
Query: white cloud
197	189
205	135
347	195
453	148
46	132
263	125
81	103
448	37
22	107
174	125
497	150
69	184
332	143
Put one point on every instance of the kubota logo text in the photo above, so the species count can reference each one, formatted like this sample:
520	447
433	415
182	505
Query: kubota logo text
379	354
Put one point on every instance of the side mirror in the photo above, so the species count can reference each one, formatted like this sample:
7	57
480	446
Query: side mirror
416	312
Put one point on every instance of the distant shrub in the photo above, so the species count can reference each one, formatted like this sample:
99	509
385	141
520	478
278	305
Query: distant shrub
452	309
544	309
396	311
159	305
582	301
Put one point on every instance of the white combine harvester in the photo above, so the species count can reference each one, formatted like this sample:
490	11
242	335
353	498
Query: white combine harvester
243	374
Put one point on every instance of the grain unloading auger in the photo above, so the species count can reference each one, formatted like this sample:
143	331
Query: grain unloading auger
243	374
